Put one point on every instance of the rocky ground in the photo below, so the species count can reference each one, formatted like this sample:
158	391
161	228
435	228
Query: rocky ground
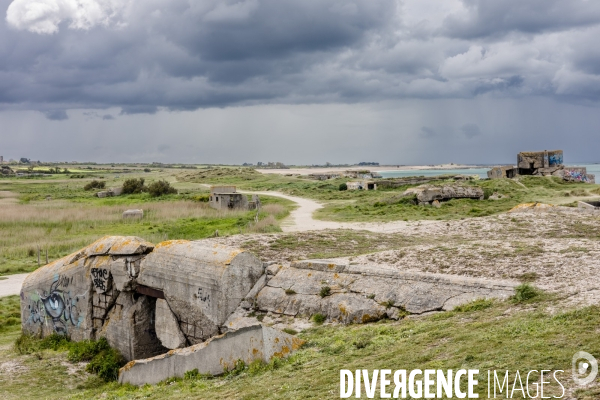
555	249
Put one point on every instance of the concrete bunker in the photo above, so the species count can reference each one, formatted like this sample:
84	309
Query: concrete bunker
182	305
129	291
542	163
227	198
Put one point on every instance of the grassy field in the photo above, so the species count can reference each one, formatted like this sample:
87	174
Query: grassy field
72	218
388	204
485	335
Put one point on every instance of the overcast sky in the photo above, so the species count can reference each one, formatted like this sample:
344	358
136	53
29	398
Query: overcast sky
302	81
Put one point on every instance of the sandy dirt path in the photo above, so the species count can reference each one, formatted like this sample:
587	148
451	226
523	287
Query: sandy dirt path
301	219
12	285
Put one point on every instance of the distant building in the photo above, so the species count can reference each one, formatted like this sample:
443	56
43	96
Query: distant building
227	198
542	163
357	185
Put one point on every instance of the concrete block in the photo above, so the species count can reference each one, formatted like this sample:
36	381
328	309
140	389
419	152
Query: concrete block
362	294
203	283
133	214
167	326
214	356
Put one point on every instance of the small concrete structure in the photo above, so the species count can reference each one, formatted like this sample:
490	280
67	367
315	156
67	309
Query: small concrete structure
325	176
360	185
427	194
215	356
226	198
133	214
110	192
506	171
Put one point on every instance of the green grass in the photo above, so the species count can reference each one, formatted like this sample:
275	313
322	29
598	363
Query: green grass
390	206
10	318
387	204
484	335
75	218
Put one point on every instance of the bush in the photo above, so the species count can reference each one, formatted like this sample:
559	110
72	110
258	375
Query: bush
203	198
103	360
319	318
29	344
132	186
343	186
524	292
160	188
325	291
95	185
106	364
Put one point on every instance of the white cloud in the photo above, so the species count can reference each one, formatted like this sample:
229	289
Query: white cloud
45	16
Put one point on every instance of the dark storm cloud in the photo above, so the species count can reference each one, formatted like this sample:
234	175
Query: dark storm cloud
492	18
56	115
144	56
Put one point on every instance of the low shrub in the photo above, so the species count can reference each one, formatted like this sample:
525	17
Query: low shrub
319	318
95	185
524	292
325	291
203	198
343	187
159	188
104	361
133	186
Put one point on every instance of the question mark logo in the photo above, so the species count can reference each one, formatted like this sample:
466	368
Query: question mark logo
585	368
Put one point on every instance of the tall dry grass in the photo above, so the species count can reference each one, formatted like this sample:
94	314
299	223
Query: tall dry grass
64	227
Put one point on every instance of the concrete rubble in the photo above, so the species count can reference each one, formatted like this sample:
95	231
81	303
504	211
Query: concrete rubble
347	293
215	356
133	214
427	194
184	305
110	192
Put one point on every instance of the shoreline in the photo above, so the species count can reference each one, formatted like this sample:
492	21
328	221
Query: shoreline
379	168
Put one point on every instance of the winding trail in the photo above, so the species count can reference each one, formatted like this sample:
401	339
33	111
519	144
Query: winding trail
12	285
301	219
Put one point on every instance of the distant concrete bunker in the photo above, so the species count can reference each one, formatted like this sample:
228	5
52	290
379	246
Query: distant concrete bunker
542	163
227	198
196	302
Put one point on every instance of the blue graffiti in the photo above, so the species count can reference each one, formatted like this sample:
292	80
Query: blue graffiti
555	159
57	305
